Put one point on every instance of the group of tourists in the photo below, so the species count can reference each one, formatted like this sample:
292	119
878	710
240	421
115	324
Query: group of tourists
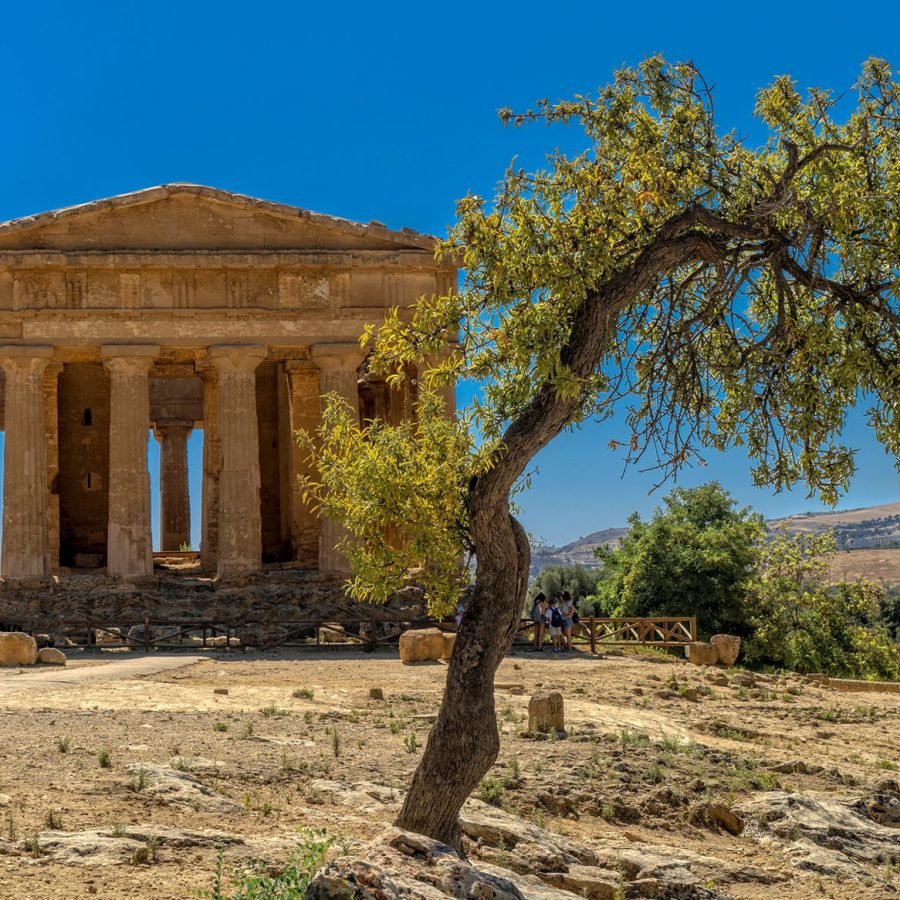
555	617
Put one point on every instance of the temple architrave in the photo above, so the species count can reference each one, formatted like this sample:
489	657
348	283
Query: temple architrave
176	308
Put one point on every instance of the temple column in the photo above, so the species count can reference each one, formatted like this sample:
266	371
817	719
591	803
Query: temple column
240	524
25	539
51	429
129	545
212	469
304	412
174	496
338	365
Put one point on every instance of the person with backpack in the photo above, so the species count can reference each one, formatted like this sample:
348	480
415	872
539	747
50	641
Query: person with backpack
539	617
554	624
567	611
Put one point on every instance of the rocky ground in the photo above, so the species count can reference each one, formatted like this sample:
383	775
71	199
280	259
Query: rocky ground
124	774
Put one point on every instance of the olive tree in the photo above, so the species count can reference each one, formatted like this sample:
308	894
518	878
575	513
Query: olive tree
722	293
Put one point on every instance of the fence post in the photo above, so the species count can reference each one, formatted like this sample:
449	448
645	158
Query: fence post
146	634
693	628
591	626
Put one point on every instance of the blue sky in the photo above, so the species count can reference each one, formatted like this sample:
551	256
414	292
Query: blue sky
388	112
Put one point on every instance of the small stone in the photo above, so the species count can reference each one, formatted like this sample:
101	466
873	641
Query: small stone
744	680
720	681
421	645
723	816
50	656
545	712
5	799
17	649
691	694
702	654
728	647
220	690
376	693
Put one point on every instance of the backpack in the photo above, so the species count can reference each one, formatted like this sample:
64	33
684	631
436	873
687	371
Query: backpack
536	612
555	617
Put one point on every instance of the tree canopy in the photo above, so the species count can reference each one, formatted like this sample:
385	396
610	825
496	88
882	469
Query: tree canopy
724	293
697	555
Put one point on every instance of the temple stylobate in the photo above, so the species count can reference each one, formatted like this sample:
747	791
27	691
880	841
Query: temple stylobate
148	315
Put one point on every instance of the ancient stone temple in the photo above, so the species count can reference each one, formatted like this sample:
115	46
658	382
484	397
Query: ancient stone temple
148	315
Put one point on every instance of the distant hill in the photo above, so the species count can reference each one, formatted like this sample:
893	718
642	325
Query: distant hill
873	529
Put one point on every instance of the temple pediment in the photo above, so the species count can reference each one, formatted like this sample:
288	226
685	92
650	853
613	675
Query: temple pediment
185	217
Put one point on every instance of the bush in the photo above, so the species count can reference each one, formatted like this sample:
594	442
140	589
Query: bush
801	622
695	556
252	883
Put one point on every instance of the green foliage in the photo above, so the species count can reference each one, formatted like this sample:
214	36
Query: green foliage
579	581
802	623
251	882
695	556
889	612
400	490
721	293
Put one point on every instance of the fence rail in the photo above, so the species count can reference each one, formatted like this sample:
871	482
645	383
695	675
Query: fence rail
184	634
655	631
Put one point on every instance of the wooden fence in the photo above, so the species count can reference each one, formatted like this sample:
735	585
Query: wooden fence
655	631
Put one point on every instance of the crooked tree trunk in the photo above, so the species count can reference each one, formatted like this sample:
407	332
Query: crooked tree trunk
464	742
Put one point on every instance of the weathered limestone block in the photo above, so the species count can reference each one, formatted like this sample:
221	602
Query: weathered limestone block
545	712
17	649
421	645
728	646
50	656
449	644
701	653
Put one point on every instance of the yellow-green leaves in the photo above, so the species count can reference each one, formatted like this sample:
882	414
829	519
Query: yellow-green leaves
400	491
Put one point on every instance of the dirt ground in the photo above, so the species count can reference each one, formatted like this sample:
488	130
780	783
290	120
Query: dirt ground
275	732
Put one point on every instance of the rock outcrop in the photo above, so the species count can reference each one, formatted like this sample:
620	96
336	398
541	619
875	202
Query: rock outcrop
422	645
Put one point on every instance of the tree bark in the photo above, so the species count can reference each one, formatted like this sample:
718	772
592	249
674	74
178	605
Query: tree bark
464	742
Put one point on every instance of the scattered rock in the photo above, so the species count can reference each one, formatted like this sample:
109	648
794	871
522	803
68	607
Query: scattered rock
401	864
722	815
223	691
360	795
421	645
17	649
702	654
882	805
826	835
587	881
546	712
691	694
728	647
744	680
173	786
50	656
376	693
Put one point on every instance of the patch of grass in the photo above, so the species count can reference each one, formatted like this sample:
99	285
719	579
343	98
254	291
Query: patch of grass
492	790
140	781
308	716
335	742
411	742
673	743
63	744
887	764
118	830
182	763
32	844
274	712
254	881
12	832
53	820
513	772
246	732
104	760
220	726
303	694
153	848
628	737
724	730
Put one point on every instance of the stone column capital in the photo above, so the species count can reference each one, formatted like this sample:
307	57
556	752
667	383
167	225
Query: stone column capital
302	366
341	356
25	358
129	357
237	357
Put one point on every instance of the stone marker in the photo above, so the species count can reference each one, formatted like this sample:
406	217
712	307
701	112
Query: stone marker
545	712
50	656
376	694
702	654
421	645
17	649
728	646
